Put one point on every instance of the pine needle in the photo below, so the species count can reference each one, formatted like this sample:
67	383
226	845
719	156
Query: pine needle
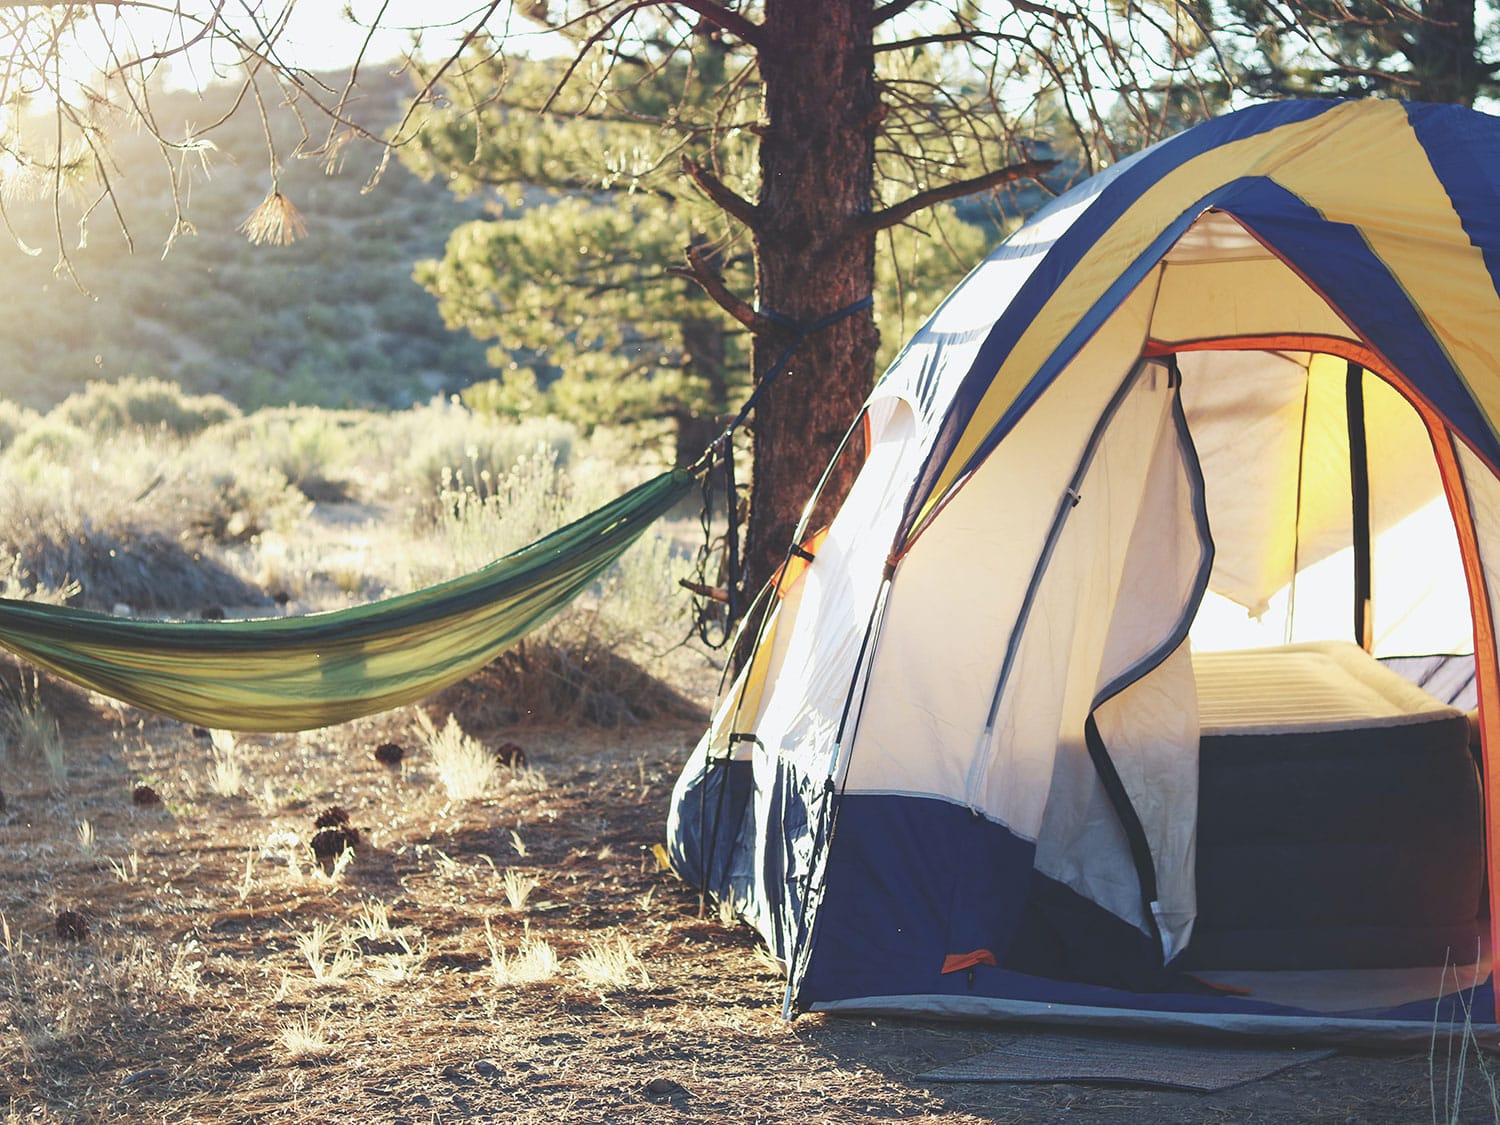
276	222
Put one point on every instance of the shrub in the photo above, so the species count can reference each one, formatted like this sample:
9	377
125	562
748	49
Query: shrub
100	527
452	449
15	420
308	447
142	403
50	439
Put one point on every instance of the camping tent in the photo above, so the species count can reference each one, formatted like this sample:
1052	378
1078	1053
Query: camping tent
1083	706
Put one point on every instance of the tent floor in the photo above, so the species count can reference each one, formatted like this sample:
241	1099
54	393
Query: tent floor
1336	991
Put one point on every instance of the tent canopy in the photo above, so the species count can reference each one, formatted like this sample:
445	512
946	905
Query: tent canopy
1235	388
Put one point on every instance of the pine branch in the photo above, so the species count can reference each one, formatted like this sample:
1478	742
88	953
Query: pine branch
889	10
890	216
734	204
712	283
724	19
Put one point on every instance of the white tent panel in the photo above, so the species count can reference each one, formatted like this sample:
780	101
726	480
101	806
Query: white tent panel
1118	585
839	589
1245	411
960	588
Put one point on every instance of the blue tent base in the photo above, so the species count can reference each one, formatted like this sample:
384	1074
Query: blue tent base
1406	1026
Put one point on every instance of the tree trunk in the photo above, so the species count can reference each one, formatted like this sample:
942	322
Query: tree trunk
1445	53
814	257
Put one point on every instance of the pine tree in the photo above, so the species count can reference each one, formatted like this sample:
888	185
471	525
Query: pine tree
576	276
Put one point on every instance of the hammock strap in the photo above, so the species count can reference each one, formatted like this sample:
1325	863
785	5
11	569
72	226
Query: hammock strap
706	611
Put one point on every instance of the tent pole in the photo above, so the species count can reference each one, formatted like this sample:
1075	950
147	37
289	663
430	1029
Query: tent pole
1359	492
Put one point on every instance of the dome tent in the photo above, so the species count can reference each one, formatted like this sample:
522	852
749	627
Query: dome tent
981	760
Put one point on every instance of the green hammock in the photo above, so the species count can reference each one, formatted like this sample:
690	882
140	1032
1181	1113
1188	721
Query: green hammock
295	673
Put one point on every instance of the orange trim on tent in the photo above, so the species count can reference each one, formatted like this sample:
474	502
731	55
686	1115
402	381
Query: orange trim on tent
958	962
791	571
1339	346
1487	674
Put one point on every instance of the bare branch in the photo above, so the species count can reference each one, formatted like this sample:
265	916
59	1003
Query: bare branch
734	204
890	216
712	283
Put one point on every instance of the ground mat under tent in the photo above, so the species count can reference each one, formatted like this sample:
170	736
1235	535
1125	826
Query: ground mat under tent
1143	1062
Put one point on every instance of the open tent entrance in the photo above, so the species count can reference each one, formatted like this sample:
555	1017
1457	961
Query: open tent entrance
1340	847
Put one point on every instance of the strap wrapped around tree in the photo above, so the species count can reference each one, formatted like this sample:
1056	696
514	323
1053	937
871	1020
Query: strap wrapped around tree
296	673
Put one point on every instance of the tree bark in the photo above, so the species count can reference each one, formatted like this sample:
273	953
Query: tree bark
814	257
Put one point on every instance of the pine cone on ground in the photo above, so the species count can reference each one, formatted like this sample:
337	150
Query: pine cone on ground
389	754
71	926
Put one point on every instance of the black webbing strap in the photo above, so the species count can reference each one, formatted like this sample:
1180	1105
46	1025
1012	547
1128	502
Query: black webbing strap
1359	492
1135	832
722	448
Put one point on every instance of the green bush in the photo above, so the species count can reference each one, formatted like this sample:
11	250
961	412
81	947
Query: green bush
142	403
15	419
50	439
451	447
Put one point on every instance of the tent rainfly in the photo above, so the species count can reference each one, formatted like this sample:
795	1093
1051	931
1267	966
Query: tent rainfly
1098	699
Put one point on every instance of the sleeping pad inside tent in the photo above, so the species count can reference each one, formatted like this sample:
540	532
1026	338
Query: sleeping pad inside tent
1147	674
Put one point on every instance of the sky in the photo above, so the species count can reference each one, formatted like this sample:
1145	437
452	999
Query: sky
318	35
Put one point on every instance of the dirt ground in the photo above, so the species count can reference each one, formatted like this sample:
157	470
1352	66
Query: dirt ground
225	977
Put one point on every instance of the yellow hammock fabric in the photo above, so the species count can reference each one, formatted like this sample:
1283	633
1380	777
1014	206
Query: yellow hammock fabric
296	673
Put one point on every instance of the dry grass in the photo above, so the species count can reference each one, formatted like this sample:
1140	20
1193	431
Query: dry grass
303	1040
534	962
611	966
518	887
227	979
466	769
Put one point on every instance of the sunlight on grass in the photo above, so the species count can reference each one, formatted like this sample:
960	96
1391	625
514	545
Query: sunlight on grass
1459	1049
373	922
402	967
28	733
60	994
611	966
226	775
534	962
328	965
518	887
465	768
127	870
303	1040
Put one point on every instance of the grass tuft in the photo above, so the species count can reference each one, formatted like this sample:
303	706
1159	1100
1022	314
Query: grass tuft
518	887
611	966
328	964
466	769
304	1041
535	962
226	774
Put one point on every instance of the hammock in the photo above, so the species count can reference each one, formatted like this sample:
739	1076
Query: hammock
296	673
